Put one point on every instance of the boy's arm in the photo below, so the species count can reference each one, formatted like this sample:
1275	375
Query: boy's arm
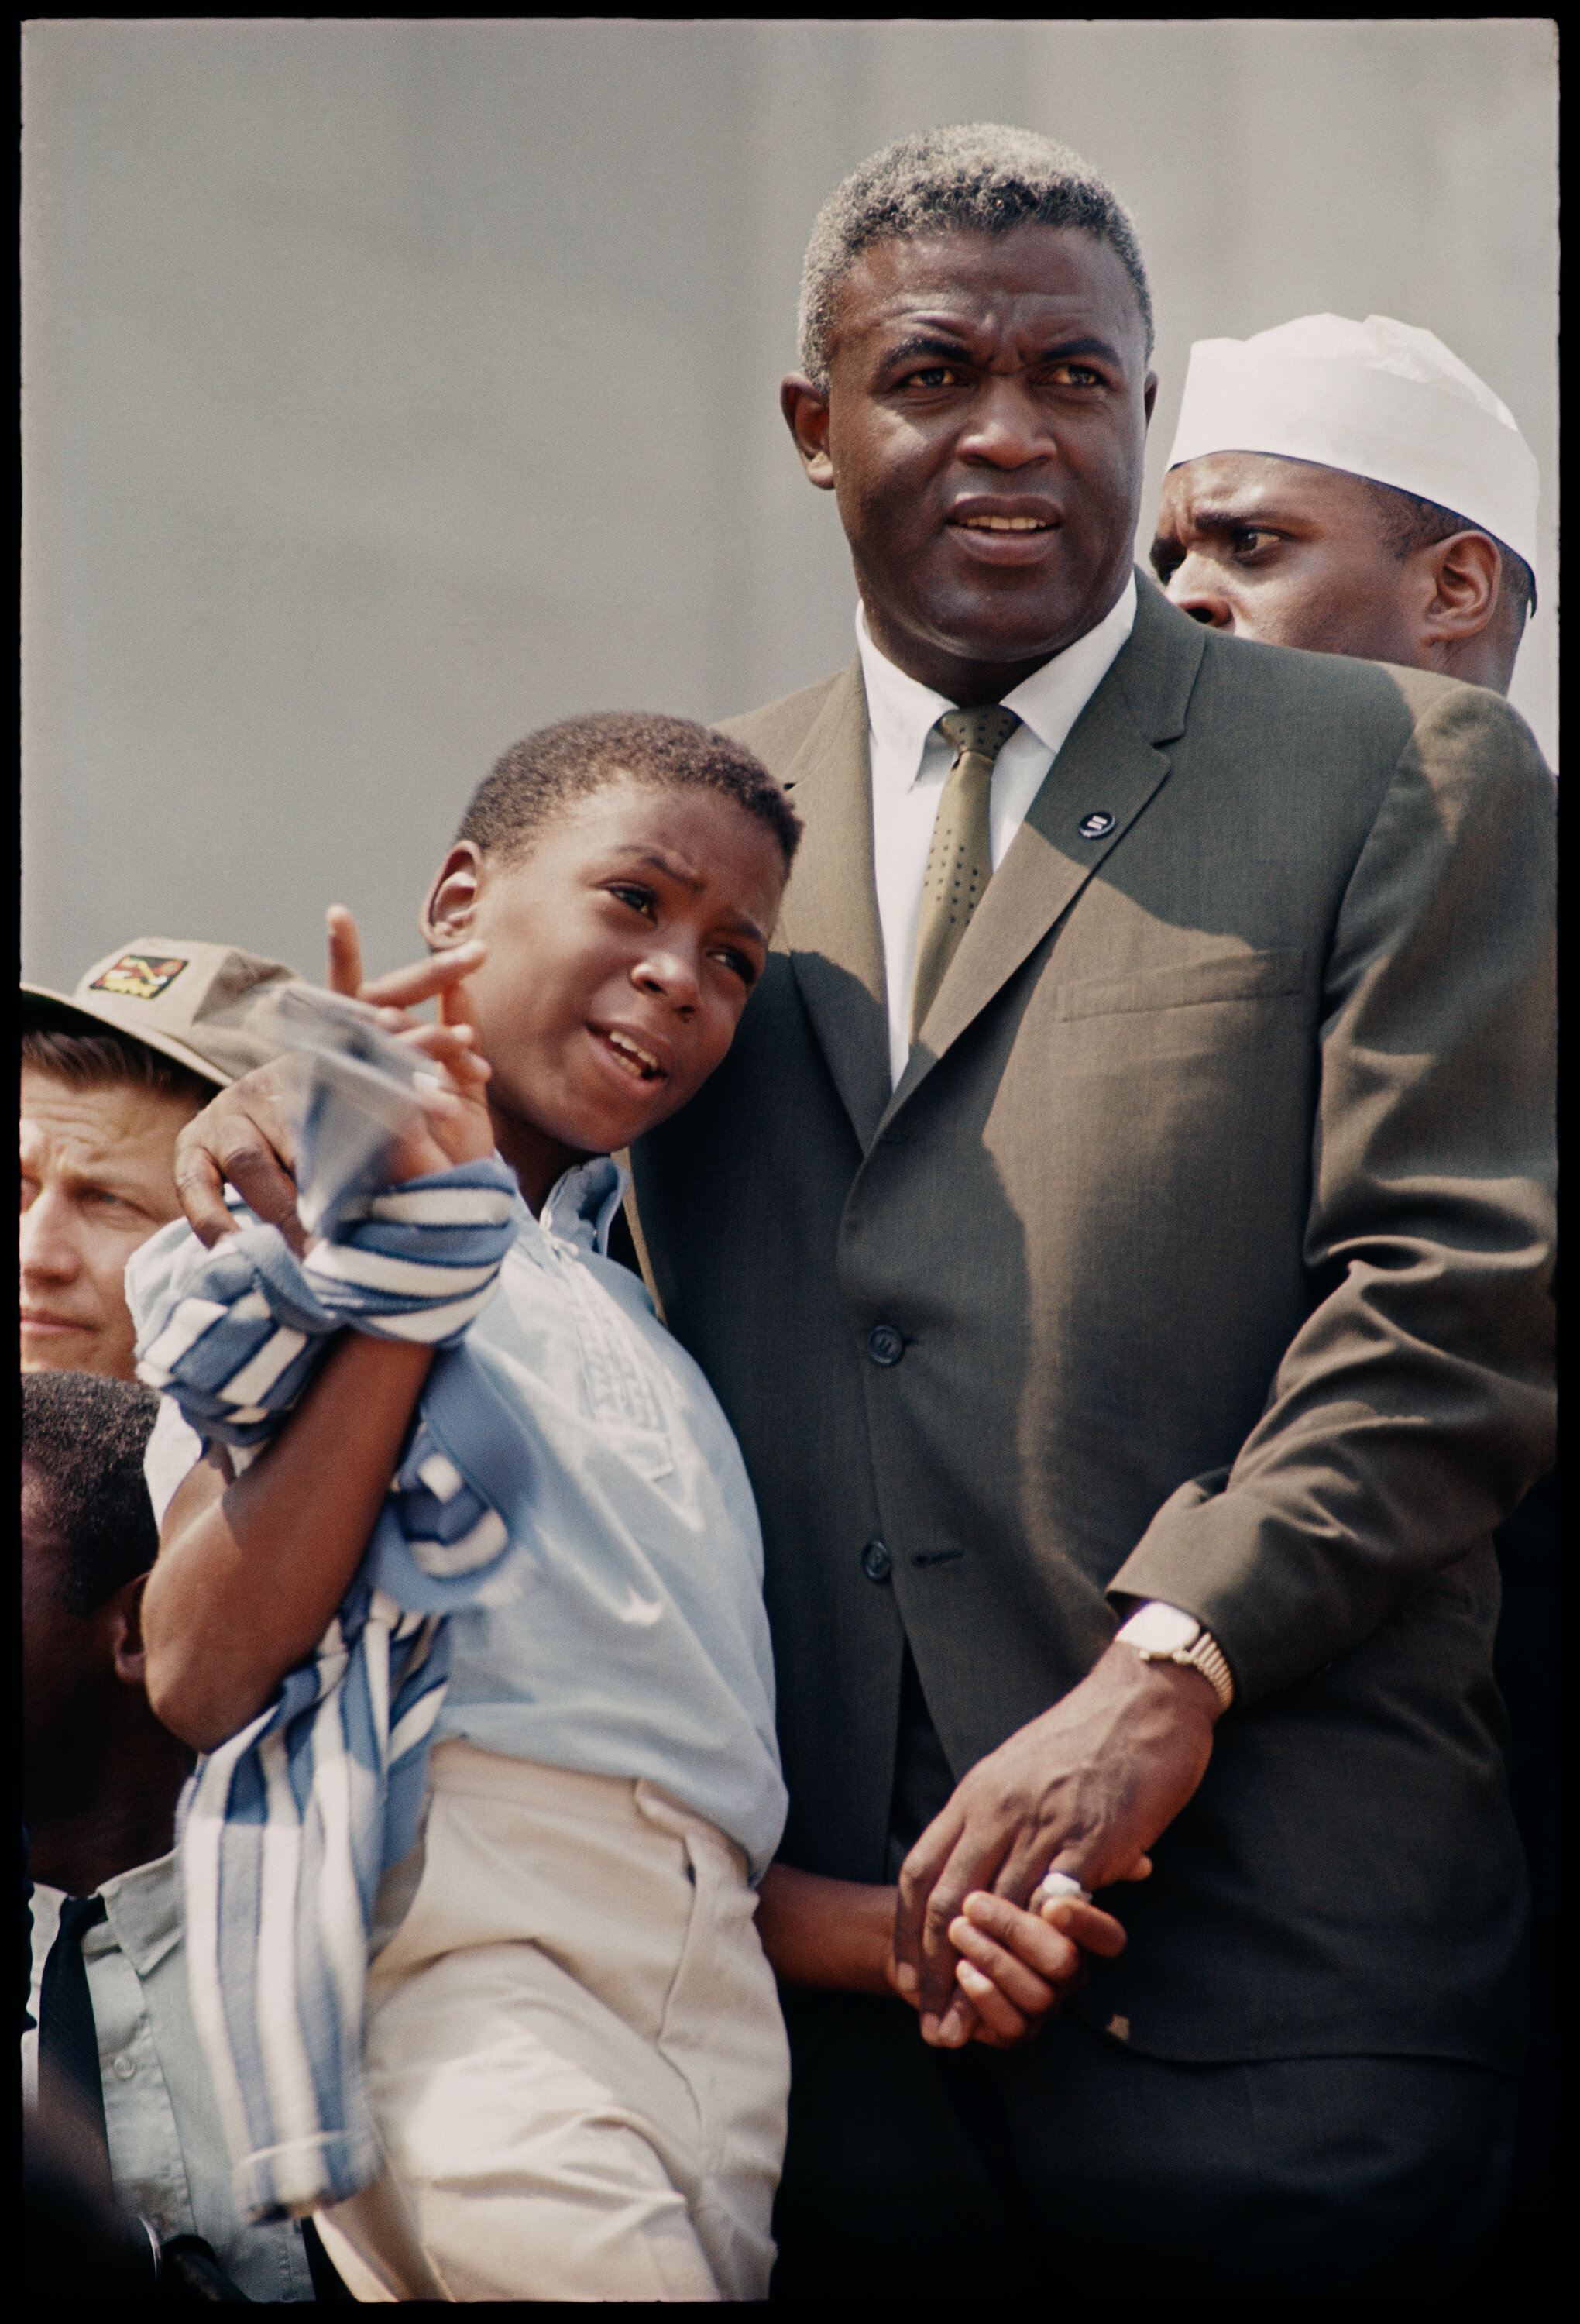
250	1574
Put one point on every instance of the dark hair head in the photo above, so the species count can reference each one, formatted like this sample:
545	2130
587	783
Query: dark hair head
86	1435
980	178
91	1060
548	772
1408	523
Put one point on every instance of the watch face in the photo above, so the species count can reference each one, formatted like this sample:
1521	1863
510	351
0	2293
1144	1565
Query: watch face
1160	1629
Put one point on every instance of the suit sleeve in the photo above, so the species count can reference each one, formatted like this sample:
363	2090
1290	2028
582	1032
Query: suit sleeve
1416	1403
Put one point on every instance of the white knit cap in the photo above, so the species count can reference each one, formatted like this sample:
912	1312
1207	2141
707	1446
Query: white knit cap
1378	399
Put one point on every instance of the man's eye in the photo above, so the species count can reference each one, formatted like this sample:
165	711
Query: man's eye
935	376
1247	538
744	966
1076	374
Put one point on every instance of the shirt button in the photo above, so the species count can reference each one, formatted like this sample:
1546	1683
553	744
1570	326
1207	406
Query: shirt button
876	1561
125	2068
885	1345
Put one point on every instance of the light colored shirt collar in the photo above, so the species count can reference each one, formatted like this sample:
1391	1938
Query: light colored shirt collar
902	712
580	1207
143	1905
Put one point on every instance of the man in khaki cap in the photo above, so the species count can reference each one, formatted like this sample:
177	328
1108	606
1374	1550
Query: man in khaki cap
110	1074
109	1077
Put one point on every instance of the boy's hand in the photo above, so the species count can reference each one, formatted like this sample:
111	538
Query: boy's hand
1015	1969
244	1135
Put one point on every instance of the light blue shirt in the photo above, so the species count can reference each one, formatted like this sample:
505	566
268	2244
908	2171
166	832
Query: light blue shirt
628	1637
168	2155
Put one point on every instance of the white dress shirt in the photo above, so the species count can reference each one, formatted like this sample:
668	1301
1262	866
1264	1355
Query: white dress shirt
910	762
168	2156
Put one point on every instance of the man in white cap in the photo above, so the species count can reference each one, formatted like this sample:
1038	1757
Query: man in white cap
109	1077
1351	488
1354	488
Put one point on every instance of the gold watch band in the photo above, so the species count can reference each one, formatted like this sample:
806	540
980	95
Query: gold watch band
1206	1657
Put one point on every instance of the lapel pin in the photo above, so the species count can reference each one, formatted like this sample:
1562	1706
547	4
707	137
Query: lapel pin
1096	826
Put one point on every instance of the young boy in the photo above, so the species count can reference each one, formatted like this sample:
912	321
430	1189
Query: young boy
573	2050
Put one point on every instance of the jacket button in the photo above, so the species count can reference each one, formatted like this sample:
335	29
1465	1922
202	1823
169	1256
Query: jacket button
876	1561
885	1345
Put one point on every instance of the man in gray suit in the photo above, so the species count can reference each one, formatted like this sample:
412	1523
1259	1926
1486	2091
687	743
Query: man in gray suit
1120	1238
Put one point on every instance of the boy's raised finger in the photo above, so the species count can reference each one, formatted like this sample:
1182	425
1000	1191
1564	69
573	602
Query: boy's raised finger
345	959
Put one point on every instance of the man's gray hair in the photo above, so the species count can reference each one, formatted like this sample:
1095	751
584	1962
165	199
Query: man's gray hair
980	178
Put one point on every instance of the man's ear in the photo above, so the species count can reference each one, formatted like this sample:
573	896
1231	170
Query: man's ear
127	1633
806	416
449	911
1149	395
1460	577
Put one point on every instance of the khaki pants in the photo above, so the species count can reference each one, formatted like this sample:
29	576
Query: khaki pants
574	2053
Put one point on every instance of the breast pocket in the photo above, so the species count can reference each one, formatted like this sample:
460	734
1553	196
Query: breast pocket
1189	984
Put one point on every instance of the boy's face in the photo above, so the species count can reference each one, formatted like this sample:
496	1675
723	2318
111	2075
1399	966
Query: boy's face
622	951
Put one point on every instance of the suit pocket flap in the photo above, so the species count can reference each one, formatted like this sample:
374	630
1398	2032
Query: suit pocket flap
1237	976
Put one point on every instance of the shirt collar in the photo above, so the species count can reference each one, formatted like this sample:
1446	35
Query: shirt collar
580	1207
902	712
143	1907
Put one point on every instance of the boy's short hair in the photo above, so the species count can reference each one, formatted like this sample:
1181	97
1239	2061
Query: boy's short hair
92	1060
84	1436
541	777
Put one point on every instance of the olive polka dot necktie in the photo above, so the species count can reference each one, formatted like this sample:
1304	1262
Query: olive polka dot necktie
960	861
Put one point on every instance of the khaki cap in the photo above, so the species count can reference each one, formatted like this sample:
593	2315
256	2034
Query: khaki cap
175	996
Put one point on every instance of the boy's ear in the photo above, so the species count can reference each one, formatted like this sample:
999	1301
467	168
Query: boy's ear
127	1633
450	911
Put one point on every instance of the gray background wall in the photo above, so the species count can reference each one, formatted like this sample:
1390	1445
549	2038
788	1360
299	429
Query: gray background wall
395	387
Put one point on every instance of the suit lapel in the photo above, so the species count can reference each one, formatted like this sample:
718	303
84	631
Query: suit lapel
1110	766
829	917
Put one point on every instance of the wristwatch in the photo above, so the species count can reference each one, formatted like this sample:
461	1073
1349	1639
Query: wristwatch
1163	1634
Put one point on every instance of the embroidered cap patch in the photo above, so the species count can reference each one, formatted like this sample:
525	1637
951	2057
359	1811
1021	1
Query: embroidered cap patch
139	975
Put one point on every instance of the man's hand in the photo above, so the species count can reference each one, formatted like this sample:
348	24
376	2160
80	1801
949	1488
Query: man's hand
244	1135
1085	1789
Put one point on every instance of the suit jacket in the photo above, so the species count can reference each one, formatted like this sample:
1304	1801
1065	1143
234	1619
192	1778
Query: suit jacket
1213	1217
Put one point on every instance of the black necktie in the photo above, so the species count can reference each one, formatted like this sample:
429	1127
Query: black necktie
71	2095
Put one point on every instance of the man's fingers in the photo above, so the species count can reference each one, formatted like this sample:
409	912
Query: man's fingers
409	988
248	1144
200	1184
953	2027
970	1865
1094	1930
345	958
918	1873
